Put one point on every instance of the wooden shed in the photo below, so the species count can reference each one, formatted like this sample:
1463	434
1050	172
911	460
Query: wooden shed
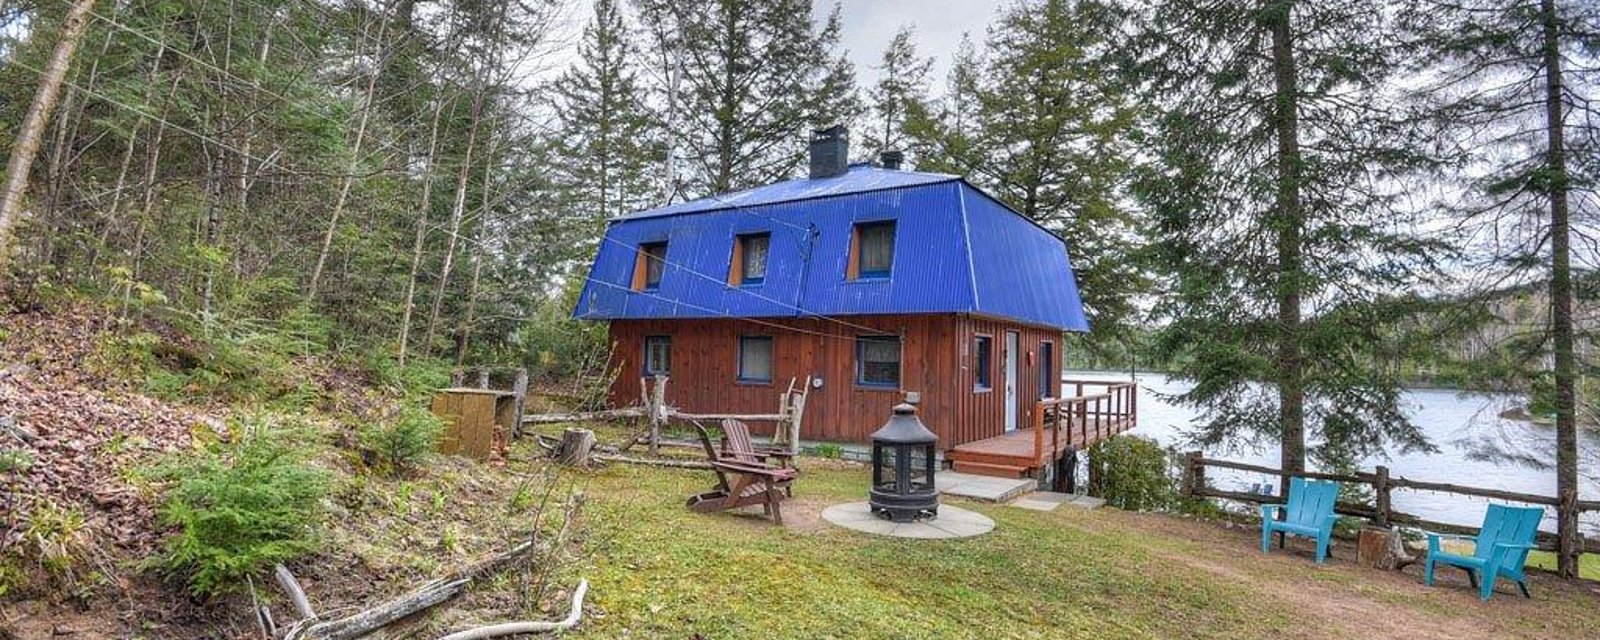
478	422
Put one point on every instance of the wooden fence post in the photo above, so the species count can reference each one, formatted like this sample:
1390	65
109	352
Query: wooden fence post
1193	473
520	387
1380	484
483	378
658	413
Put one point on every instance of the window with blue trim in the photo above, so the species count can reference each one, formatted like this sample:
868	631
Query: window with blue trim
755	359
878	361
874	249
653	261
657	355
753	258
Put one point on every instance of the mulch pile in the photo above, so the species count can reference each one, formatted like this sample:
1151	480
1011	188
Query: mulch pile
80	426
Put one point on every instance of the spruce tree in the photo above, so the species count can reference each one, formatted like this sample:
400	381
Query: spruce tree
1275	188
1043	124
745	80
901	89
1514	83
607	136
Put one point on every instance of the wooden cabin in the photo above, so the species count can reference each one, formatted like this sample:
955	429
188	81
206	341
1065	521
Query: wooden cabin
873	282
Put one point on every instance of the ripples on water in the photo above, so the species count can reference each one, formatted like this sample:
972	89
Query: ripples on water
1476	448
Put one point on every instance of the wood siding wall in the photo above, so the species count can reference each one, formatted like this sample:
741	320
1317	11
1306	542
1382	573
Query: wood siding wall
937	360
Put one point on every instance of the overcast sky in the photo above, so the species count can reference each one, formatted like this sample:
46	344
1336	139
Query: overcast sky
869	24
867	27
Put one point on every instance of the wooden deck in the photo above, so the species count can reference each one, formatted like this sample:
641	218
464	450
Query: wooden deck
1060	425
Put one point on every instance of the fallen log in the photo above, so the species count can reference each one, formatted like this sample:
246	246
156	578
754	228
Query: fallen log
430	594
655	462
584	416
9	425
297	596
742	417
512	628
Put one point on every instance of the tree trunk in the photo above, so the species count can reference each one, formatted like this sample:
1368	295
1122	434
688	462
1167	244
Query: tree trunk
30	134
348	180
420	240
1561	301
1289	220
457	210
576	444
482	235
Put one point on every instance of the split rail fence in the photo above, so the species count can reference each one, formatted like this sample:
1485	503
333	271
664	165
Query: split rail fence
1383	484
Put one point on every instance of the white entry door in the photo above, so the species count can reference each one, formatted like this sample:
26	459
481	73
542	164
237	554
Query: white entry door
1011	380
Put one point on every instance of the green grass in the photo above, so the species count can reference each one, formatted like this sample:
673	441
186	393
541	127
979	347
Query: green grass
1588	563
659	570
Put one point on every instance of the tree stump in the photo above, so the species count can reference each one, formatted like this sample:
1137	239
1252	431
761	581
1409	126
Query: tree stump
576	444
1382	548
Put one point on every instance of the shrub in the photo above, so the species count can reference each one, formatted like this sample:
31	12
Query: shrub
828	450
402	444
240	507
1132	473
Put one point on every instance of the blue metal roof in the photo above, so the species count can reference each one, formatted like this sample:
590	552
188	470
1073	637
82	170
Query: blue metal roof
860	178
956	250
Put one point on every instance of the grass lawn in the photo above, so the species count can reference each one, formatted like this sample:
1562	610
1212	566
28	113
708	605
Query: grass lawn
658	570
1588	563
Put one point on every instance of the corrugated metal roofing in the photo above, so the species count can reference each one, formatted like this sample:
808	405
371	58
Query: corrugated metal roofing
859	179
955	250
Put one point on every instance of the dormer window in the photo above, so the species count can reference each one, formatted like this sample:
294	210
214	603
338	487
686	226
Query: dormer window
871	250
648	265
749	264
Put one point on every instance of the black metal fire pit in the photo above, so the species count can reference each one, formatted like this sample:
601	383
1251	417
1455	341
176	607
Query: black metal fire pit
903	457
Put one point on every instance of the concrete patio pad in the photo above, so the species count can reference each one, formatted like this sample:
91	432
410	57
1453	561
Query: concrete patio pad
1049	500
984	488
952	522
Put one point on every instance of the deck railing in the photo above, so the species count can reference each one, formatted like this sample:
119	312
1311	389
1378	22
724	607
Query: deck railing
1089	416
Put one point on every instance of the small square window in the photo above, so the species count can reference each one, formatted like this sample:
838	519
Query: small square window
873	246
878	361
750	259
755	359
657	355
648	266
981	357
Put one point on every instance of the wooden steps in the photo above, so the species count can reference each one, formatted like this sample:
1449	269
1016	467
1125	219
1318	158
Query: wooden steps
990	469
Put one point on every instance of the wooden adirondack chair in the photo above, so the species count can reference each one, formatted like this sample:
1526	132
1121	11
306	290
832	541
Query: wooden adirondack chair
738	446
1500	548
1309	514
742	483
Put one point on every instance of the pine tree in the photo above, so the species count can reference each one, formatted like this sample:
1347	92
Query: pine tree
901	89
610	142
752	77
1515	83
1274	190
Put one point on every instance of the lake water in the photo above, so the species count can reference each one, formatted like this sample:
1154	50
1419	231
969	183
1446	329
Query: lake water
1476	448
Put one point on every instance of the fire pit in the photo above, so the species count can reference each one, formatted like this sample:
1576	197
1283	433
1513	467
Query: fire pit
903	457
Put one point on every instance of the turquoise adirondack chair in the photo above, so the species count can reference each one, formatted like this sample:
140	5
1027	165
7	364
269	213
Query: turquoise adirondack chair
1309	514
1500	549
